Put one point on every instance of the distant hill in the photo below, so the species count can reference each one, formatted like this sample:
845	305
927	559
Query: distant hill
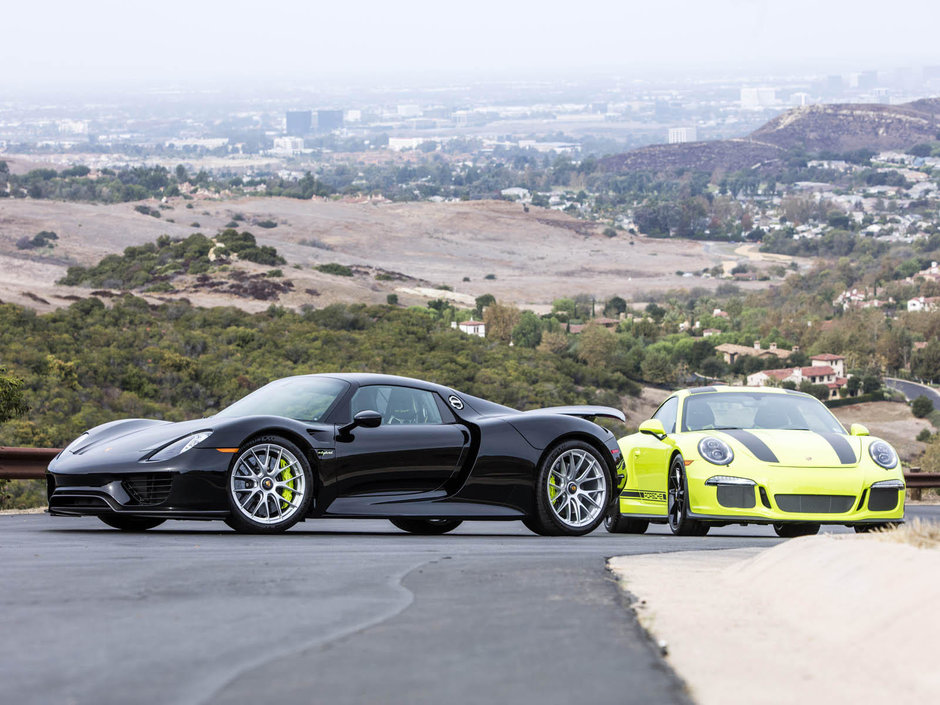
838	127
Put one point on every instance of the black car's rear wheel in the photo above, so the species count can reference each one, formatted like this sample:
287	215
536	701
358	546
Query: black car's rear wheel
617	523
677	502
792	530
126	523
270	486
426	527
572	491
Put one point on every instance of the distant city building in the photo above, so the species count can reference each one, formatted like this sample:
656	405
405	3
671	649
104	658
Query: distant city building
329	120
833	83
73	127
599	108
353	116
800	99
288	146
753	98
678	135
298	122
409	110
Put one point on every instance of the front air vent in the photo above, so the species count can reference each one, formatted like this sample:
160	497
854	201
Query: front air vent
883	499
815	503
147	490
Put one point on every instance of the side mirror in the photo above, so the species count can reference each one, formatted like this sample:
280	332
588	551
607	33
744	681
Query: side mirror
653	427
858	430
365	419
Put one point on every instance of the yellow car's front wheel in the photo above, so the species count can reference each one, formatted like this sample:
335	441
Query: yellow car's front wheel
677	502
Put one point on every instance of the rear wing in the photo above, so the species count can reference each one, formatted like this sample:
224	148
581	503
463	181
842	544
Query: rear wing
583	411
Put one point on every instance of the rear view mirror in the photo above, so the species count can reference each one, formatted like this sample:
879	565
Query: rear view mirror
653	427
858	430
365	419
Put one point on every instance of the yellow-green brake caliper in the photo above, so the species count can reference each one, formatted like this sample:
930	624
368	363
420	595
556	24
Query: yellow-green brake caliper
286	493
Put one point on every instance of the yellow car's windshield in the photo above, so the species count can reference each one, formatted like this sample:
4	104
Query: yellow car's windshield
756	410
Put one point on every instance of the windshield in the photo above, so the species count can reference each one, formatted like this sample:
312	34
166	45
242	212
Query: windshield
301	398
754	410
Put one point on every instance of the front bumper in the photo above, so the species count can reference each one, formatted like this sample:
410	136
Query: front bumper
782	495
191	486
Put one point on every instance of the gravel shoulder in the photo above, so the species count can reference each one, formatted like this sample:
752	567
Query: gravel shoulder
823	619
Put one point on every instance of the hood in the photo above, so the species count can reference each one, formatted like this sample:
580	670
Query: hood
135	438
798	449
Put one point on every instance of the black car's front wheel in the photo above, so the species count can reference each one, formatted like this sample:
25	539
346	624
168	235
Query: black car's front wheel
270	486
572	491
126	523
677	502
426	527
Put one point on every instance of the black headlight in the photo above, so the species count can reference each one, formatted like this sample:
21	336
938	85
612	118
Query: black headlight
715	450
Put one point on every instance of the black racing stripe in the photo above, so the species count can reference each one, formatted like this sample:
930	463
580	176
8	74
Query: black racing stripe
842	448
754	444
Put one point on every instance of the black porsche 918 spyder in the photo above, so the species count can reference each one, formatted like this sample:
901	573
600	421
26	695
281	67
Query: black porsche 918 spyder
348	445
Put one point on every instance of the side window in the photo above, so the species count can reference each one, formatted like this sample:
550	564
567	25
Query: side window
398	405
666	414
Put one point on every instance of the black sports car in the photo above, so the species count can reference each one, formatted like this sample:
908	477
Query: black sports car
348	445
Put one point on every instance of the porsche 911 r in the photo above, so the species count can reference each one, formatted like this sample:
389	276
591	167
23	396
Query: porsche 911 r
741	455
348	445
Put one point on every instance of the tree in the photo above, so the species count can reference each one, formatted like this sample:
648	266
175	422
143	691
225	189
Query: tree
925	363
181	175
482	302
853	384
12	401
657	367
820	391
921	406
528	332
500	319
615	306
597	345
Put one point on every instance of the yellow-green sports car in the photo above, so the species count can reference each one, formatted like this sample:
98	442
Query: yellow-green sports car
712	456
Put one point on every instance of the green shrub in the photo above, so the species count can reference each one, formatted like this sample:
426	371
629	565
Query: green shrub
340	270
921	406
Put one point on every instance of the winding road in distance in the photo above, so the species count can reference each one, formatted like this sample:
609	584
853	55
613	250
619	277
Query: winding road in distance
912	390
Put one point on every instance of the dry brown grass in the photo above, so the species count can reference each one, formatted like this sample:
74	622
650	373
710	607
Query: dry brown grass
916	533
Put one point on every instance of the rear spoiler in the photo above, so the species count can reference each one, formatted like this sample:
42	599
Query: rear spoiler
584	411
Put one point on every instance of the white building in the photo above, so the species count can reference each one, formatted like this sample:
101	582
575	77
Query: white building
288	146
755	98
471	327
678	135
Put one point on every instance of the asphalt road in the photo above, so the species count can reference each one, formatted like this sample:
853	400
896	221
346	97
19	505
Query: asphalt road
912	390
333	612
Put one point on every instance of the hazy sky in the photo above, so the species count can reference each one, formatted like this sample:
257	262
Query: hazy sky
73	42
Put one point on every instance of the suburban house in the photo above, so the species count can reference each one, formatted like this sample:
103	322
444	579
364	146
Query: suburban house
471	327
825	369
731	352
921	303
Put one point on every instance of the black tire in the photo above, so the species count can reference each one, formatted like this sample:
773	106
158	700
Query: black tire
427	527
617	523
882	526
248	472
792	530
587	487
535	527
126	523
677	502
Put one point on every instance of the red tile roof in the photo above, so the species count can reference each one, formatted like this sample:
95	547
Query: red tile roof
828	357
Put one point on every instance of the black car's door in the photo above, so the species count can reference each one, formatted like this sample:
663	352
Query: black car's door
417	447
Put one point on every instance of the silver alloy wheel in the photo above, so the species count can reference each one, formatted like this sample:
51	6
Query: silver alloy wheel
577	488
268	483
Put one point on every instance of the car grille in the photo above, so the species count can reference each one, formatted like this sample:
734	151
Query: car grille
149	489
815	503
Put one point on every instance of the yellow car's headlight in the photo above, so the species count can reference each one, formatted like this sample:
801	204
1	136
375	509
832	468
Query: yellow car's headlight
715	450
883	454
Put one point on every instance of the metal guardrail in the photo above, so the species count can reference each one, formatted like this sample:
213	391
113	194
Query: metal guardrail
30	464
25	463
